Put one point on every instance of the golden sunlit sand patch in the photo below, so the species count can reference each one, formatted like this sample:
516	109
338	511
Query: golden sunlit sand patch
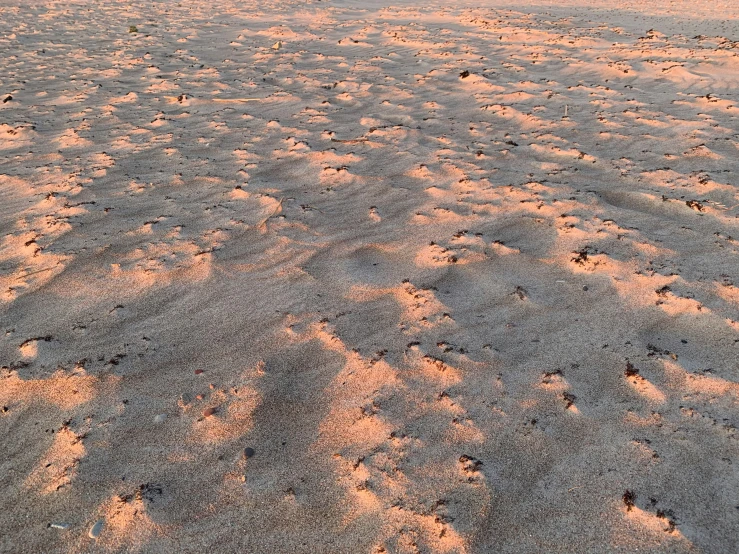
60	389
363	277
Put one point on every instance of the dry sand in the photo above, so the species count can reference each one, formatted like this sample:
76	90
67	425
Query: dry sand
462	277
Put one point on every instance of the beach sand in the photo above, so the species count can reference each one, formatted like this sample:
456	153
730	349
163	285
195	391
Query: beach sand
462	278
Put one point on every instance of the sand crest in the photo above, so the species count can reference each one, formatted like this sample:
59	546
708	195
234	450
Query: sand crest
340	276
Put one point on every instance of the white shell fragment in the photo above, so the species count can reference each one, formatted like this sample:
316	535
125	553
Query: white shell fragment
96	529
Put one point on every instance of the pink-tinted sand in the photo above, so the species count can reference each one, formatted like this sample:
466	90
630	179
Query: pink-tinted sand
462	276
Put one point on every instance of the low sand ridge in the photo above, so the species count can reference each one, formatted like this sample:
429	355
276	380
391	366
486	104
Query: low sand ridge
463	277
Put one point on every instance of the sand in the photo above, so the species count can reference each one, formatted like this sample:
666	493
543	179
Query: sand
461	277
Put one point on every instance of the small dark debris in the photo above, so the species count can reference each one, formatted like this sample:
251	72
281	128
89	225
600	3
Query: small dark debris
697	206
582	256
549	374
630	370
248	452
663	291
654	350
629	499
569	399
670	517
115	360
464	74
47	338
149	492
469	463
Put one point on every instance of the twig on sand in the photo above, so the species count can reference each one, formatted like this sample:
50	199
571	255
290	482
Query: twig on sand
350	140
278	209
230	100
39	271
207	251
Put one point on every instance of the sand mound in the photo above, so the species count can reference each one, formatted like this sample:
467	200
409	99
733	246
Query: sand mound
339	277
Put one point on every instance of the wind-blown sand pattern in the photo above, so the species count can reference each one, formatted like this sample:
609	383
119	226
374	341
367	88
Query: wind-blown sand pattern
462	277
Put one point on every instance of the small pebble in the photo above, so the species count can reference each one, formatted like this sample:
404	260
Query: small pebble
185	398
209	412
96	529
200	396
198	371
61	526
584	287
160	418
248	452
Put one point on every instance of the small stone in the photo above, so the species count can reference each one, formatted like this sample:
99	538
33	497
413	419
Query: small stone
7	99
200	396
96	529
248	452
185	398
62	526
198	371
277	45
160	418
209	412
584	287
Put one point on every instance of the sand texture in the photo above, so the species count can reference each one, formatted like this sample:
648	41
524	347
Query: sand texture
461	278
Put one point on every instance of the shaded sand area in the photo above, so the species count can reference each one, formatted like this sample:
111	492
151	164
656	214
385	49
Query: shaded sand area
462	279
